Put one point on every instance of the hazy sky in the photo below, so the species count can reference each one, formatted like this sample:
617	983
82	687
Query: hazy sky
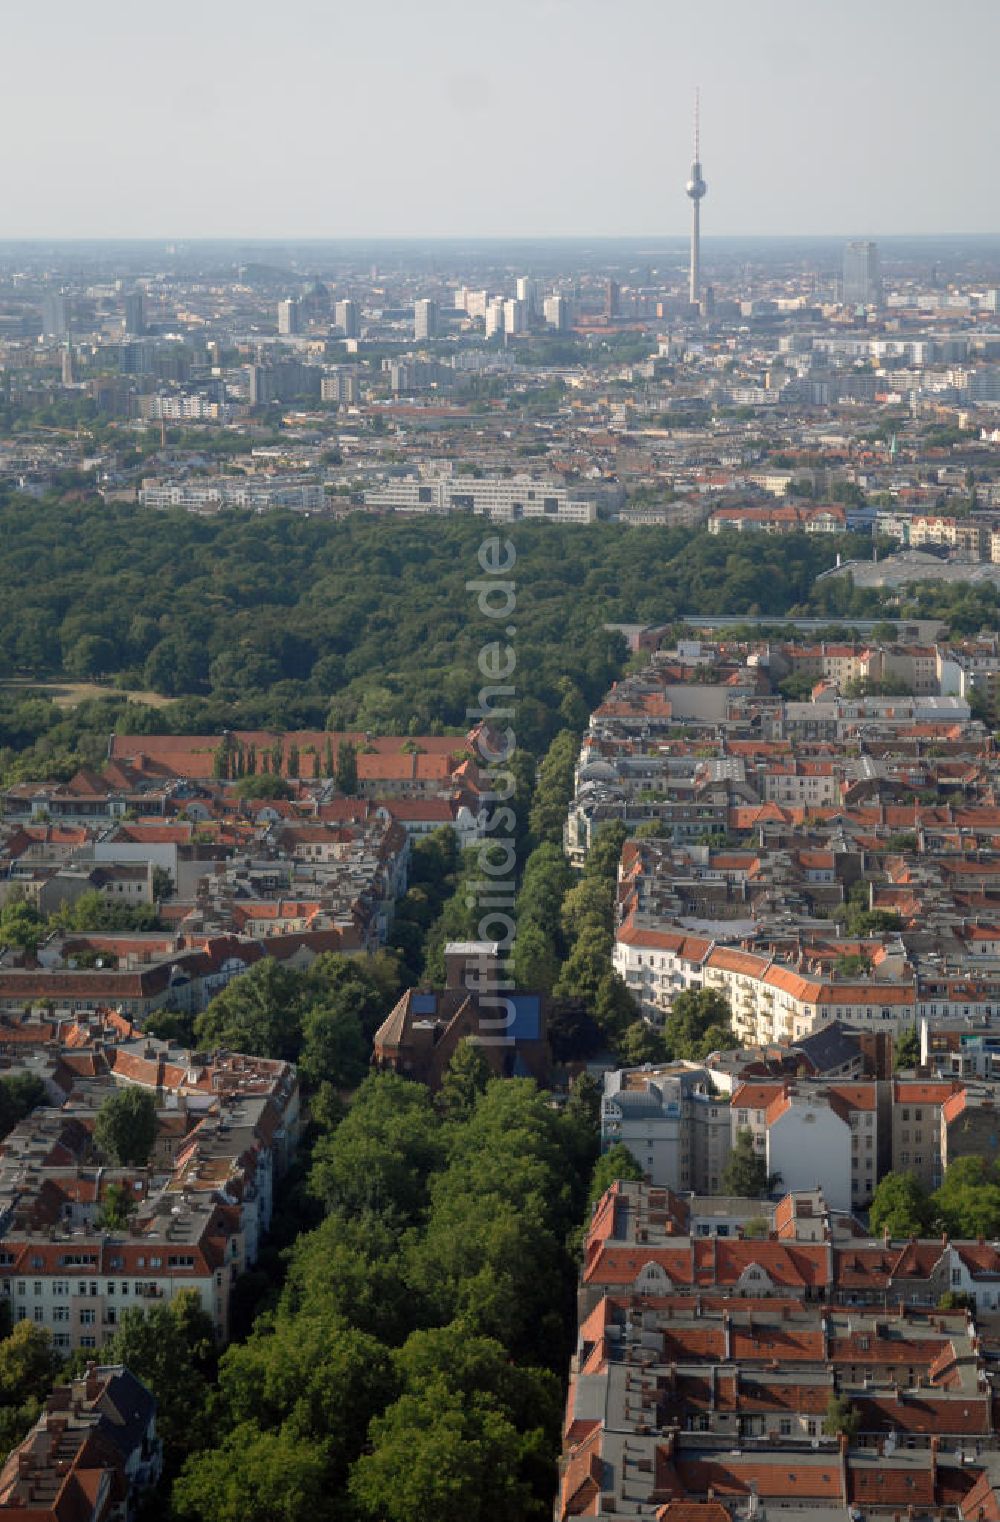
490	117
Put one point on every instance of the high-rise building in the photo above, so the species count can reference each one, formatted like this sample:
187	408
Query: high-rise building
260	387
515	316
862	282
347	316
340	385
425	319
527	291
68	377
55	315
288	317
135	357
494	316
476	303
696	189
316	302
612	303
556	311
135	314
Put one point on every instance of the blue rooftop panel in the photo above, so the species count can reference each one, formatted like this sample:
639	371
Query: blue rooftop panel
527	1022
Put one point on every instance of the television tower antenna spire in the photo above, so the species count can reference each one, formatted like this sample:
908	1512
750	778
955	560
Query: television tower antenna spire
695	190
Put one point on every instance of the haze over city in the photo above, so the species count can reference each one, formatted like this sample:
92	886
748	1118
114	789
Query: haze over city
496	119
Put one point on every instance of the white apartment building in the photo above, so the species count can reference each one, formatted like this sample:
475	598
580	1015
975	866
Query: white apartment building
504	499
340	386
476	303
210	494
515	316
809	1145
78	1285
813	1133
768	1000
672	1121
493	312
180	409
347	316
557	312
425	319
527	291
801	786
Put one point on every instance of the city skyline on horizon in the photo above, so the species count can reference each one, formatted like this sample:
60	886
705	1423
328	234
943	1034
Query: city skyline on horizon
428	131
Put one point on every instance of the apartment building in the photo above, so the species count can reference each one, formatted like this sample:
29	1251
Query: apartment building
672	1120
214	494
227	1129
504	499
705	1367
91	1456
770	1000
917	1114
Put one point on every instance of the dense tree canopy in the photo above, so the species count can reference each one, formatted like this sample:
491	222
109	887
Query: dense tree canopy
967	1204
617	1163
698	1024
192	608
900	1206
125	1127
20	1093
28	1365
406	1368
745	1173
323	1019
171	1347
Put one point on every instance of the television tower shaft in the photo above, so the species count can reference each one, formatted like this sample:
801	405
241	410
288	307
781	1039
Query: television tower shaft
696	189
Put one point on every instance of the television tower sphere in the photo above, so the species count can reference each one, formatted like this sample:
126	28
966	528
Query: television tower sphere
695	186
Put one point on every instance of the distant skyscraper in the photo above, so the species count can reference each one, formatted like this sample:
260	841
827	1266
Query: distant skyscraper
425	319
557	312
515	316
347	315
862	282
696	189
527	291
494	315
55	315
68	377
260	385
288	317
135	316
612	294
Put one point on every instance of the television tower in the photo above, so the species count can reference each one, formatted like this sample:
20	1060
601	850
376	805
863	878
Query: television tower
696	188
